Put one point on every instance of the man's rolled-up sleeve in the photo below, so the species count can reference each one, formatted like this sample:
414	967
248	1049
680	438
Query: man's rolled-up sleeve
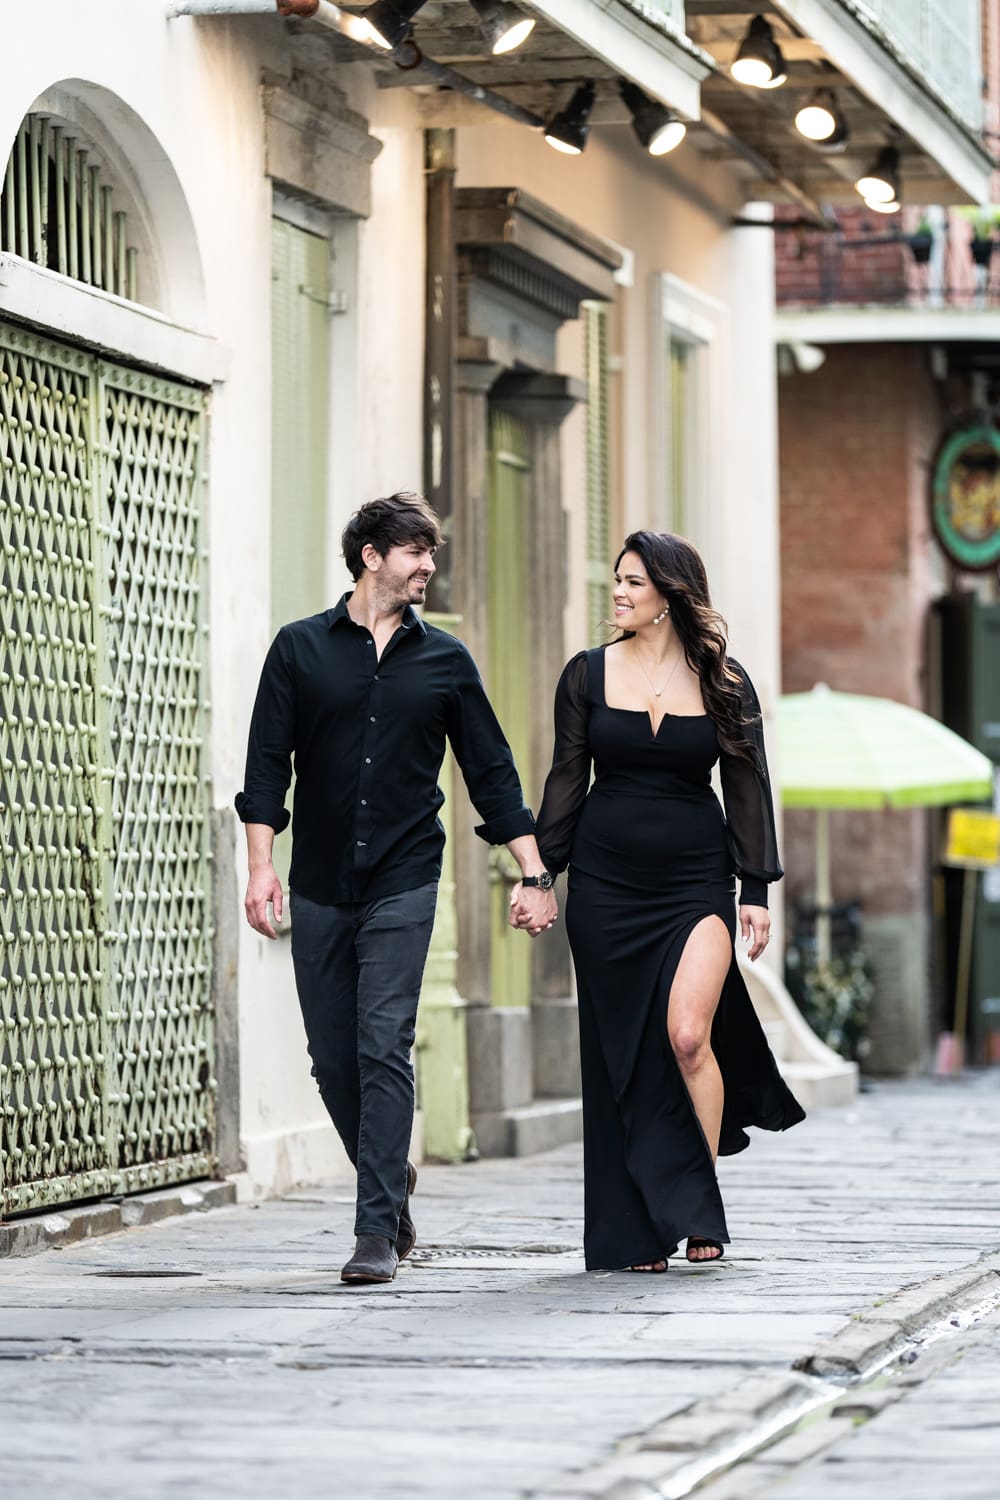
272	737
485	758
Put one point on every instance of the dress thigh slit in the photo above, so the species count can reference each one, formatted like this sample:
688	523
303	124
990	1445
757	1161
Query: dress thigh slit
650	1179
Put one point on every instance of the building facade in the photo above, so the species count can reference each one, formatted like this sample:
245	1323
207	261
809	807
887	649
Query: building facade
897	319
253	273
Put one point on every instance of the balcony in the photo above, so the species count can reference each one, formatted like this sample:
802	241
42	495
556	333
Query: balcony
937	40
667	13
865	284
906	71
866	264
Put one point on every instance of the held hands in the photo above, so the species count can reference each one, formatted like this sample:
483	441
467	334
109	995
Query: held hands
262	888
532	909
755	924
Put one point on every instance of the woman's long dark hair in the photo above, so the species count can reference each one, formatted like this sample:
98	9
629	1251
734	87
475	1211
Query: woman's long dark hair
676	570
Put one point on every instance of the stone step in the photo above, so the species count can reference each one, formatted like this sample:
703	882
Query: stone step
529	1128
821	1085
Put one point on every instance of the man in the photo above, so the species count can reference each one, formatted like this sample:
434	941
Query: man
362	698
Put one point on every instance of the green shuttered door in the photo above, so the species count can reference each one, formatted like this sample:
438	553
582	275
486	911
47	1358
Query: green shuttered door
106	1048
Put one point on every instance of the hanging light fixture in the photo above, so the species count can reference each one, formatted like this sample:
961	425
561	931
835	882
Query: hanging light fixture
819	117
759	62
388	21
880	184
780	74
892	207
567	131
657	128
502	24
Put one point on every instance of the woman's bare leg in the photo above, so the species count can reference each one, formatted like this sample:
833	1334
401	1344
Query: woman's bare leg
694	998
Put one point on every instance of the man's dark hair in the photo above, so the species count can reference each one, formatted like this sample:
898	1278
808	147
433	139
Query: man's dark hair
393	521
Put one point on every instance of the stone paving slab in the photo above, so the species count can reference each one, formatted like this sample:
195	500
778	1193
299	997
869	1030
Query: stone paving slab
495	1366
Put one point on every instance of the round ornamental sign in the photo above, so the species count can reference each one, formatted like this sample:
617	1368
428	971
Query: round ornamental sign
965	497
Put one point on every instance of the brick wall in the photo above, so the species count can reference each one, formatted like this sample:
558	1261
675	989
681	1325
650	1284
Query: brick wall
813	268
855	437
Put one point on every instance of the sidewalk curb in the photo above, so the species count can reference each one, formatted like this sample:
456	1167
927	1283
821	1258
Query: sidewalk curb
71	1225
874	1335
711	1435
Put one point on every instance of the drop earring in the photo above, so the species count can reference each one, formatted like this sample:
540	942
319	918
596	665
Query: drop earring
659	619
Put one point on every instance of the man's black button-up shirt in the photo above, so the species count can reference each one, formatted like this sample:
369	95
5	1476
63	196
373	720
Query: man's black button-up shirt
367	737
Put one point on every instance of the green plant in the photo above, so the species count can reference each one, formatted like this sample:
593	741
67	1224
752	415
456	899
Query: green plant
924	227
836	1000
983	220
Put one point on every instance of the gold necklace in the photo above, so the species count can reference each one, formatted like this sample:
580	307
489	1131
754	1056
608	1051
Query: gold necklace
658	691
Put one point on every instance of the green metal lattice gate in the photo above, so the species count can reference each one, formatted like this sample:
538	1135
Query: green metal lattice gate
106	1044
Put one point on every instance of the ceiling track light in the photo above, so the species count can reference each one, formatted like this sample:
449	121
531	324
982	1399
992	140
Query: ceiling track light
759	63
820	118
780	74
892	207
657	128
567	131
503	26
388	22
880	184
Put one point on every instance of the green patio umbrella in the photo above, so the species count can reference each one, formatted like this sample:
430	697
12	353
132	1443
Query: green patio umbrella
852	751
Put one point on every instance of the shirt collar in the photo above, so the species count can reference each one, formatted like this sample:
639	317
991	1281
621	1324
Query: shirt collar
339	612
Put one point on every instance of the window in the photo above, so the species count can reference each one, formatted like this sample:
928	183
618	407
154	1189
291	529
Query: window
61	208
684	440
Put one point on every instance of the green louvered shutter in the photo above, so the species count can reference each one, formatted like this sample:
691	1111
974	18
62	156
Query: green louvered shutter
300	381
598	575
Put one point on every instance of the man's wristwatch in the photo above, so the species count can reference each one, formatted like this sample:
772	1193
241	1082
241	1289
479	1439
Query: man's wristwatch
544	882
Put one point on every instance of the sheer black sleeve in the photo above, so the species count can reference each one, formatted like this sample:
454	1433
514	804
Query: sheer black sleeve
567	782
746	793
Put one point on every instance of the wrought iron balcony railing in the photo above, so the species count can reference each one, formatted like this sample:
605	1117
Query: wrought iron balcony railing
932	259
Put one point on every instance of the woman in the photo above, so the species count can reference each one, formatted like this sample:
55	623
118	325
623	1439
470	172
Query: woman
674	1060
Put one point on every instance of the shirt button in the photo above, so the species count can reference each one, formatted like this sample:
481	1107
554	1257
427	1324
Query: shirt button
373	718
368	760
375	678
364	802
368	643
362	844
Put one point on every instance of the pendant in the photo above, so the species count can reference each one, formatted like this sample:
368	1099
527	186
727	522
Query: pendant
657	691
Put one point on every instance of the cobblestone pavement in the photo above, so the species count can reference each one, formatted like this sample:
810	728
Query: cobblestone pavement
220	1353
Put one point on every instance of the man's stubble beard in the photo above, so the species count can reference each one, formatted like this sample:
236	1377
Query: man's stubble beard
396	597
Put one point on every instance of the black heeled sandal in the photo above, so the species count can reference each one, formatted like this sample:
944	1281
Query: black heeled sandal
698	1242
655	1267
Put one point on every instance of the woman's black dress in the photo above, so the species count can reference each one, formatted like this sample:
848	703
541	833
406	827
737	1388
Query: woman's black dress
650	855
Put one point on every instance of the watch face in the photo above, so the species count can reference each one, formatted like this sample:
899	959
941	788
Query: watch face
546	881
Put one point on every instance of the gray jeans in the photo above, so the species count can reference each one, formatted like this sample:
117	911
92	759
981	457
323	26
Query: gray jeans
358	971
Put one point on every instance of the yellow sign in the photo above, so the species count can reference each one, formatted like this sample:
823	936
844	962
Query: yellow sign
973	838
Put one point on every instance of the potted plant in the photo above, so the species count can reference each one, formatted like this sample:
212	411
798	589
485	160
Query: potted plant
835	998
921	242
983	221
